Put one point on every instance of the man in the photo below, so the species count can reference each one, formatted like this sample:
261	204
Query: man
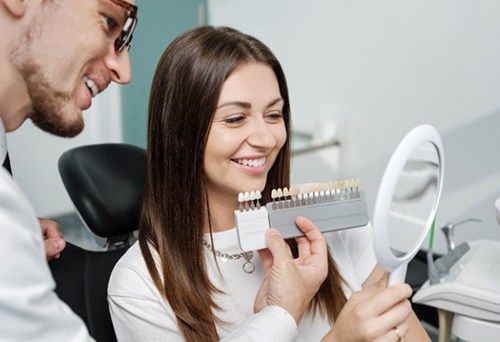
55	56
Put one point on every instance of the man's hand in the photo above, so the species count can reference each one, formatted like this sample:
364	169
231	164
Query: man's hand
52	237
292	283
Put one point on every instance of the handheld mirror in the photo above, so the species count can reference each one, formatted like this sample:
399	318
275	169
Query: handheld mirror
407	199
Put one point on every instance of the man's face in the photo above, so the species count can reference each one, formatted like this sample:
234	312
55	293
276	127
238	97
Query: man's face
67	56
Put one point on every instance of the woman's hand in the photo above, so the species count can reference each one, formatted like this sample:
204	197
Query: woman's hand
375	313
292	283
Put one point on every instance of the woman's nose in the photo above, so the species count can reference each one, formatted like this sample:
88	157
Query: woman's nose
262	135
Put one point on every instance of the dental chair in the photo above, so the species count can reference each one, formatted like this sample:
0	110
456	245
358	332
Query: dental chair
466	289
105	183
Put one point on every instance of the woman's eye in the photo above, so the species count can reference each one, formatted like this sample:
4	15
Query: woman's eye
233	120
274	116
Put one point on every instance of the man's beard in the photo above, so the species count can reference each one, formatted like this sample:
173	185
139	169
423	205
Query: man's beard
50	106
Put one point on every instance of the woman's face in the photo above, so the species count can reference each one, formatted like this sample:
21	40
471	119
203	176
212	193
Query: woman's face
247	133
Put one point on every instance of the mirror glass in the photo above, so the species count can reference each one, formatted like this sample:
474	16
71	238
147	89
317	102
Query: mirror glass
413	199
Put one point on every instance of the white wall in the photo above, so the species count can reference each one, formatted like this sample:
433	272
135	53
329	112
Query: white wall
380	68
34	154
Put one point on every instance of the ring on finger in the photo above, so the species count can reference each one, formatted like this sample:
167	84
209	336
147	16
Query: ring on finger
398	334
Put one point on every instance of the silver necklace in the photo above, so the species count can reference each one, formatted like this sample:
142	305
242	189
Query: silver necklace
248	265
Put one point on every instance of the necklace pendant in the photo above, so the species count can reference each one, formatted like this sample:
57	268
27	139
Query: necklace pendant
248	267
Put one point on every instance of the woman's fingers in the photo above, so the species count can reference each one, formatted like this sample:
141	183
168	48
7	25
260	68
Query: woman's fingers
397	333
385	307
277	246
387	298
288	283
374	313
397	314
313	242
380	297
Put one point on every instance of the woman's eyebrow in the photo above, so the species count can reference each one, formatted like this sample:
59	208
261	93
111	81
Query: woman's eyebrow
236	103
247	104
275	101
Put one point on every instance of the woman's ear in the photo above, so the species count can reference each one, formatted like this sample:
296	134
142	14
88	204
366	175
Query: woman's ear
14	7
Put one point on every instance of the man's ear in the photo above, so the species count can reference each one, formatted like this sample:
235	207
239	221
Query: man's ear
14	7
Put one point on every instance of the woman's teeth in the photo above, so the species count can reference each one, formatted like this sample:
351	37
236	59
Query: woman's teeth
92	86
252	162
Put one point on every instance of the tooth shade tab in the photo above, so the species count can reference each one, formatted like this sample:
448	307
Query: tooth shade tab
285	192
279	192
249	200
274	194
241	200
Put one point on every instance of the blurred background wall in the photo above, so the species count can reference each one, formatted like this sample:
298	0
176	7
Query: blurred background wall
370	71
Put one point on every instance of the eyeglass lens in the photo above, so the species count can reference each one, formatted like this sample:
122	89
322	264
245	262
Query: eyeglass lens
125	38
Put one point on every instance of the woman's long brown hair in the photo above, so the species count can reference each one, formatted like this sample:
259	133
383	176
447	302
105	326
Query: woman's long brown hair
184	94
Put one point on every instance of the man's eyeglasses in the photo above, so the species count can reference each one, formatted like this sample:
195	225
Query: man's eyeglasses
125	38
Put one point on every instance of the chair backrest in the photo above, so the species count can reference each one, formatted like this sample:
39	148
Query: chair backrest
105	183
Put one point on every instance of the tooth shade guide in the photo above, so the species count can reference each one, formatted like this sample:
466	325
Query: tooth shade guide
299	195
334	208
315	193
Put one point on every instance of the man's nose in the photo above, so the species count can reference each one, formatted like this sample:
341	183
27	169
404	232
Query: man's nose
118	63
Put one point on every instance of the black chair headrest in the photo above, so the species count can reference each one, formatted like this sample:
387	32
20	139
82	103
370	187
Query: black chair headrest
106	184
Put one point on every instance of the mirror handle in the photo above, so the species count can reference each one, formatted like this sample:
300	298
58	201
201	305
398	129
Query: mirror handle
398	275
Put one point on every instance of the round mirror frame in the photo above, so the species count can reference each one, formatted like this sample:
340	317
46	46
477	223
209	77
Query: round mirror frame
415	138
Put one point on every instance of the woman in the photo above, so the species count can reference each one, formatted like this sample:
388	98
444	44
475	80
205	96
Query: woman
219	124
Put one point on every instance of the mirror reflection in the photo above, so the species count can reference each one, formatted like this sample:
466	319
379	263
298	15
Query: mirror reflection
413	199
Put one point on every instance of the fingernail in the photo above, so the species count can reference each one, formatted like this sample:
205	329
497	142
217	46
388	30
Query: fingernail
272	232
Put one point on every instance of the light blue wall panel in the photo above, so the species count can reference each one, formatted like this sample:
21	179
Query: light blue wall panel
160	21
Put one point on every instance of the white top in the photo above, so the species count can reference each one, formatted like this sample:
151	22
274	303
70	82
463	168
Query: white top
29	308
139	313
